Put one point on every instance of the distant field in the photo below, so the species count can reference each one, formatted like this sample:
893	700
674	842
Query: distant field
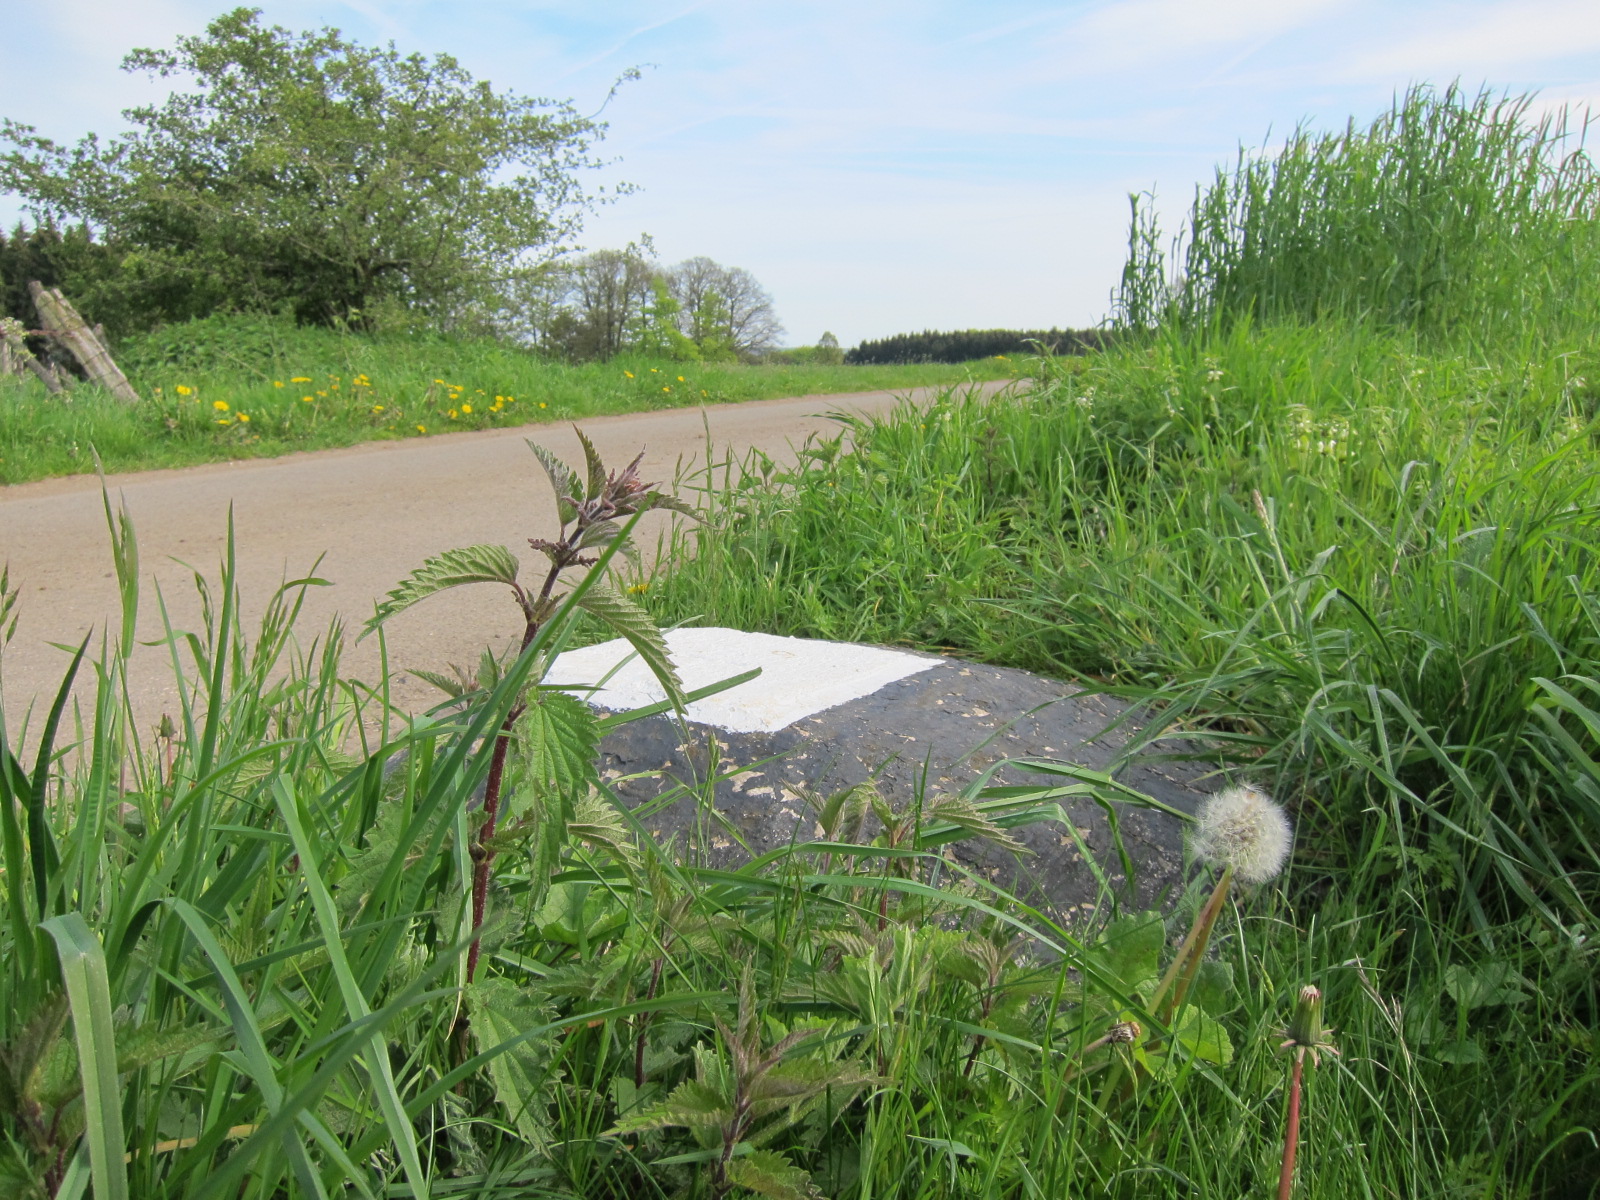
248	388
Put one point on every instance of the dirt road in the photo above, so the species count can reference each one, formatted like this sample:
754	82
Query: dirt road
373	513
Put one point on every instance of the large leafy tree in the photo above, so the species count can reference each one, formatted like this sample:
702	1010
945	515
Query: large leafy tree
304	170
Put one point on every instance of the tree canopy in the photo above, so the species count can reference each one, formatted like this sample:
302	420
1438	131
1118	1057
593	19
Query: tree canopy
308	172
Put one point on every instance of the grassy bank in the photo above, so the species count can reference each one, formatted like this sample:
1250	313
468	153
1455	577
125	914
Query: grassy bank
1366	573
239	387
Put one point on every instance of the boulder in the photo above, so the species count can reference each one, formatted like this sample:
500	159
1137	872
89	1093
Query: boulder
827	715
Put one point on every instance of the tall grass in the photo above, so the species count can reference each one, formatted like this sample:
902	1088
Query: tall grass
1454	215
1359	569
278	913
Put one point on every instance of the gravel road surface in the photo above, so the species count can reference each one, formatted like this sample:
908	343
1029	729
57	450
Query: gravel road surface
372	512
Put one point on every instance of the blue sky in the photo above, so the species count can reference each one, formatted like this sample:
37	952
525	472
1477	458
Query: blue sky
882	165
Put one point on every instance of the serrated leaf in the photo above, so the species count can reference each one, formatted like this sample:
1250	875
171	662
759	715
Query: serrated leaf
523	1077
561	480
451	685
626	618
768	1173
558	739
965	815
595	822
453	568
794	1082
692	1103
597	469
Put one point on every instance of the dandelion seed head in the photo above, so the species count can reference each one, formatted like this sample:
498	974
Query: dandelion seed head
1241	827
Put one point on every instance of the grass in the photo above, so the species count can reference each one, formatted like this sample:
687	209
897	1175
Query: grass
248	387
1354	560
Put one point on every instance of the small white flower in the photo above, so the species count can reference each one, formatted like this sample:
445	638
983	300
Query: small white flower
1241	827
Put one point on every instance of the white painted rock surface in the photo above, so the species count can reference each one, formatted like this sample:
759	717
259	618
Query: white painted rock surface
799	676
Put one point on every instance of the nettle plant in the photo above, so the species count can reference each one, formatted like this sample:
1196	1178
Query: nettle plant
555	732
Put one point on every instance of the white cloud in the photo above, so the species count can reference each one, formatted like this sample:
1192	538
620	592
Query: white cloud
1498	41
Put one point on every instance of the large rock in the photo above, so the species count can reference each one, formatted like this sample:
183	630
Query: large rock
825	715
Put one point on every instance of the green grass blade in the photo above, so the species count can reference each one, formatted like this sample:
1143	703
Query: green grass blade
377	1057
83	967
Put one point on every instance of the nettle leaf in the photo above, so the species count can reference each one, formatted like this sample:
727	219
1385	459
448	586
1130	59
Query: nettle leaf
470	564
561	479
597	469
596	823
632	622
558	737
693	1103
768	1173
524	1077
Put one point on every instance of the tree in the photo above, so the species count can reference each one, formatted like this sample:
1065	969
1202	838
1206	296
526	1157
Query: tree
724	308
608	291
828	350
309	171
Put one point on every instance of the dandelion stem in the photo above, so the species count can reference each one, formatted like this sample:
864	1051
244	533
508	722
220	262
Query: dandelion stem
1291	1133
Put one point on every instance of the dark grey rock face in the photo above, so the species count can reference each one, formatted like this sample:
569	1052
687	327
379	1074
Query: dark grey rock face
937	730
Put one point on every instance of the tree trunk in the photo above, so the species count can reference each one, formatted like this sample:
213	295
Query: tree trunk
62	321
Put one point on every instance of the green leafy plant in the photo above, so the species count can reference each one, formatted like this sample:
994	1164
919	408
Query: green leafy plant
596	513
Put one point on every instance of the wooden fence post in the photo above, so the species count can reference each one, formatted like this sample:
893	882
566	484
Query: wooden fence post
62	321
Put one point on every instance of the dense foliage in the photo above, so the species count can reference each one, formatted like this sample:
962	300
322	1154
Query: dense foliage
968	344
1452	215
308	172
609	302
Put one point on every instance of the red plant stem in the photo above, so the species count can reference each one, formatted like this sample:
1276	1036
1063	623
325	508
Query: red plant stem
1291	1133
481	855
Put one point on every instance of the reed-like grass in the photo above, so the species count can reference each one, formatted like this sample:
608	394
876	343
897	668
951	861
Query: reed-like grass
1455	215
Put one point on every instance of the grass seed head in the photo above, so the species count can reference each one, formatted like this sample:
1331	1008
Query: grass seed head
1243	828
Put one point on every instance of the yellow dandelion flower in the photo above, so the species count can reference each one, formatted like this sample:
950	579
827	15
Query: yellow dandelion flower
377	408
184	390
224	421
629	374
158	391
654	371
245	418
220	405
308	399
438	381
466	408
324	395
542	404
277	383
452	414
301	379
666	389
680	379
422	429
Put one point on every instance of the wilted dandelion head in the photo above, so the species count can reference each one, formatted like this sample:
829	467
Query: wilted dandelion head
1241	827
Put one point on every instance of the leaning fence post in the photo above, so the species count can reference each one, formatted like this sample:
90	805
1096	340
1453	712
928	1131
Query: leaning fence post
62	321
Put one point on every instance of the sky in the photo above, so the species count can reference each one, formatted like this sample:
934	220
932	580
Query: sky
884	166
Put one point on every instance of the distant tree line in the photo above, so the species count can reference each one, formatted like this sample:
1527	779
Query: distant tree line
965	345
